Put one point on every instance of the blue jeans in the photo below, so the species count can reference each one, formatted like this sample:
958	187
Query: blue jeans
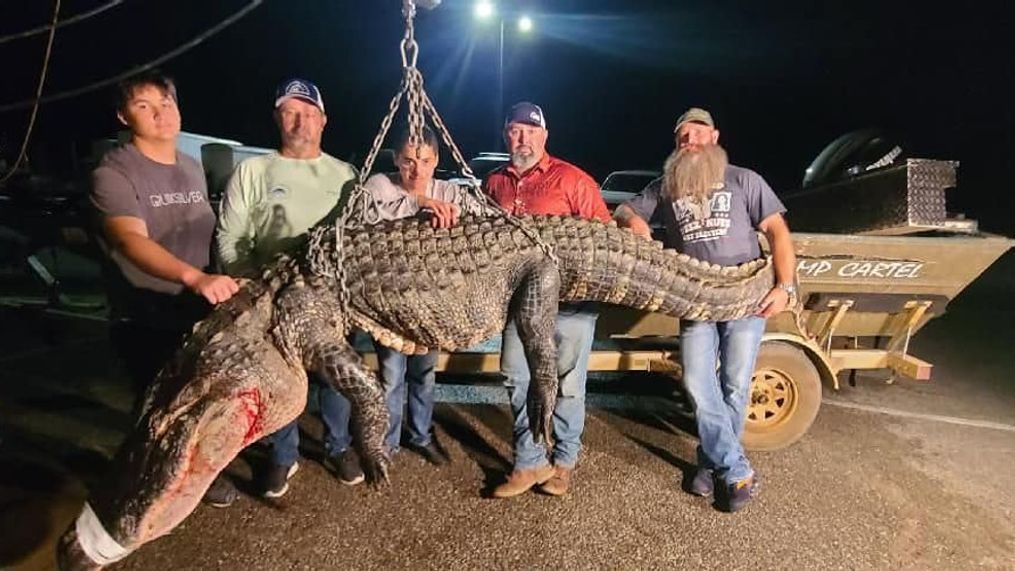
720	397
419	373
335	412
573	335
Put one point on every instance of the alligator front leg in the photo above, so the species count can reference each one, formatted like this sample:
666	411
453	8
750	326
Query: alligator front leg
534	310
197	422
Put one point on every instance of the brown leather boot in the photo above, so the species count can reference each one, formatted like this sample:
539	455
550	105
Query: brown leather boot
522	480
560	483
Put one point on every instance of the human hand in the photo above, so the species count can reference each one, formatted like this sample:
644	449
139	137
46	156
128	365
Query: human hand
445	214
775	301
215	288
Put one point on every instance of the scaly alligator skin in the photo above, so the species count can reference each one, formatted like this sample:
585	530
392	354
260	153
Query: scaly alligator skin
242	374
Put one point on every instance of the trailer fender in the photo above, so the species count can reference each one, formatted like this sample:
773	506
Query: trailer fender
829	375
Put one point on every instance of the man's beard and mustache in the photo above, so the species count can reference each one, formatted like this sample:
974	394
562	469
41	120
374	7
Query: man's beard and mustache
523	158
691	174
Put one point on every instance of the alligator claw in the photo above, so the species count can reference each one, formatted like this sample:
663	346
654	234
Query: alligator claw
541	422
376	471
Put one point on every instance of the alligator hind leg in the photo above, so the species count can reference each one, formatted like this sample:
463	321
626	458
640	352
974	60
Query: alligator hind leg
307	323
534	310
337	363
189	434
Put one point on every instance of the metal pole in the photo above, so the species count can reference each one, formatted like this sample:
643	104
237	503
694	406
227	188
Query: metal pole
499	111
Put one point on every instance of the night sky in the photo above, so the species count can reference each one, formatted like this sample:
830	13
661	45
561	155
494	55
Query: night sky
783	79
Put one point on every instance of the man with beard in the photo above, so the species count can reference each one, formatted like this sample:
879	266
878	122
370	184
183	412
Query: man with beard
270	203
536	183
711	210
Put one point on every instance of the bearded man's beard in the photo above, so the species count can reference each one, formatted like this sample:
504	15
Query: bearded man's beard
523	160
691	174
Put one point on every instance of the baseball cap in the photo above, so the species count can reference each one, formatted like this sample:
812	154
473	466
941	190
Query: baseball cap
695	115
525	112
299	89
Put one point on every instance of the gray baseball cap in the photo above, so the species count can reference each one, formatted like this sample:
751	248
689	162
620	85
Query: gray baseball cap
695	115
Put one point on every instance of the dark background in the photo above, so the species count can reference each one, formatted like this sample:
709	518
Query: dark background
783	79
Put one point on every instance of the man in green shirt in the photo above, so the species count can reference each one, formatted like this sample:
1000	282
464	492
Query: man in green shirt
270	203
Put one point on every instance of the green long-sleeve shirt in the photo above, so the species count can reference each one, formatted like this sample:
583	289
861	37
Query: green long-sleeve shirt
271	202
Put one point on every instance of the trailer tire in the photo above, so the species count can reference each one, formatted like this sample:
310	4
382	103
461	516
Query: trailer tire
785	397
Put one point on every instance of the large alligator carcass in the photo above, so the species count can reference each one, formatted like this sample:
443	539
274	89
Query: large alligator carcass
242	373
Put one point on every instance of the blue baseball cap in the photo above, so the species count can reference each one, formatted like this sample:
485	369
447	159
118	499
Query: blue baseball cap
299	89
526	112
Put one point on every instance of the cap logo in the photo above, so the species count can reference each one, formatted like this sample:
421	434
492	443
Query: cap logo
535	116
297	88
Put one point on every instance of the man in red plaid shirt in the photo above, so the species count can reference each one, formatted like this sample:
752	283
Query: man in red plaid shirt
536	183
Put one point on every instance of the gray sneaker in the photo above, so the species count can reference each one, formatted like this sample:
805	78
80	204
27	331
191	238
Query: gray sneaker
276	480
221	494
347	467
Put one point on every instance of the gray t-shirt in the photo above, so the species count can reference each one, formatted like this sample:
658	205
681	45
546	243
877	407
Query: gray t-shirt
726	236
171	199
392	202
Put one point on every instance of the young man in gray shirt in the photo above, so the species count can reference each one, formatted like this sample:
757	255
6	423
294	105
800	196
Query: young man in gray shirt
156	226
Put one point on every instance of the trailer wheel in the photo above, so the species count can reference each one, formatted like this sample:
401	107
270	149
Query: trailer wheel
785	396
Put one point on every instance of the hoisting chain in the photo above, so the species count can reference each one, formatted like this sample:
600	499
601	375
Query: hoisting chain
359	209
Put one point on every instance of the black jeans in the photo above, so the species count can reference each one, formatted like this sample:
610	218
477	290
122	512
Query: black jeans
144	350
154	326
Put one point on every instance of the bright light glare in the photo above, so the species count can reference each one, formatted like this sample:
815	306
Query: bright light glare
524	24
483	9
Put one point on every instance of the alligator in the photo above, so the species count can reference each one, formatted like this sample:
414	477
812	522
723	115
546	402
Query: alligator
242	373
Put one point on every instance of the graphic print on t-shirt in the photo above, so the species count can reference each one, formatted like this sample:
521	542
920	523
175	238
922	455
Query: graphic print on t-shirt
159	200
704	222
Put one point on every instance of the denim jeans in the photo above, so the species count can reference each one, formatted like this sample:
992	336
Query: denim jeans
417	373
573	335
720	395
335	412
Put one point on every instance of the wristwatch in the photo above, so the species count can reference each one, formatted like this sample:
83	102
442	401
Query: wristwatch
791	290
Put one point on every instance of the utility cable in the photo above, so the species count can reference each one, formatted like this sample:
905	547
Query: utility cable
144	67
38	96
61	23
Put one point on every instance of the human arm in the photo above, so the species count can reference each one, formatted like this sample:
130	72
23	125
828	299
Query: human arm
784	261
766	208
234	232
445	214
128	235
627	218
393	202
389	201
636	213
125	232
588	201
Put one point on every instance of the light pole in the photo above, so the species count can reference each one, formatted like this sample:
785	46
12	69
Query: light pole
484	10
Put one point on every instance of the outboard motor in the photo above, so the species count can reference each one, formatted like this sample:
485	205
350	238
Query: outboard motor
853	154
865	183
